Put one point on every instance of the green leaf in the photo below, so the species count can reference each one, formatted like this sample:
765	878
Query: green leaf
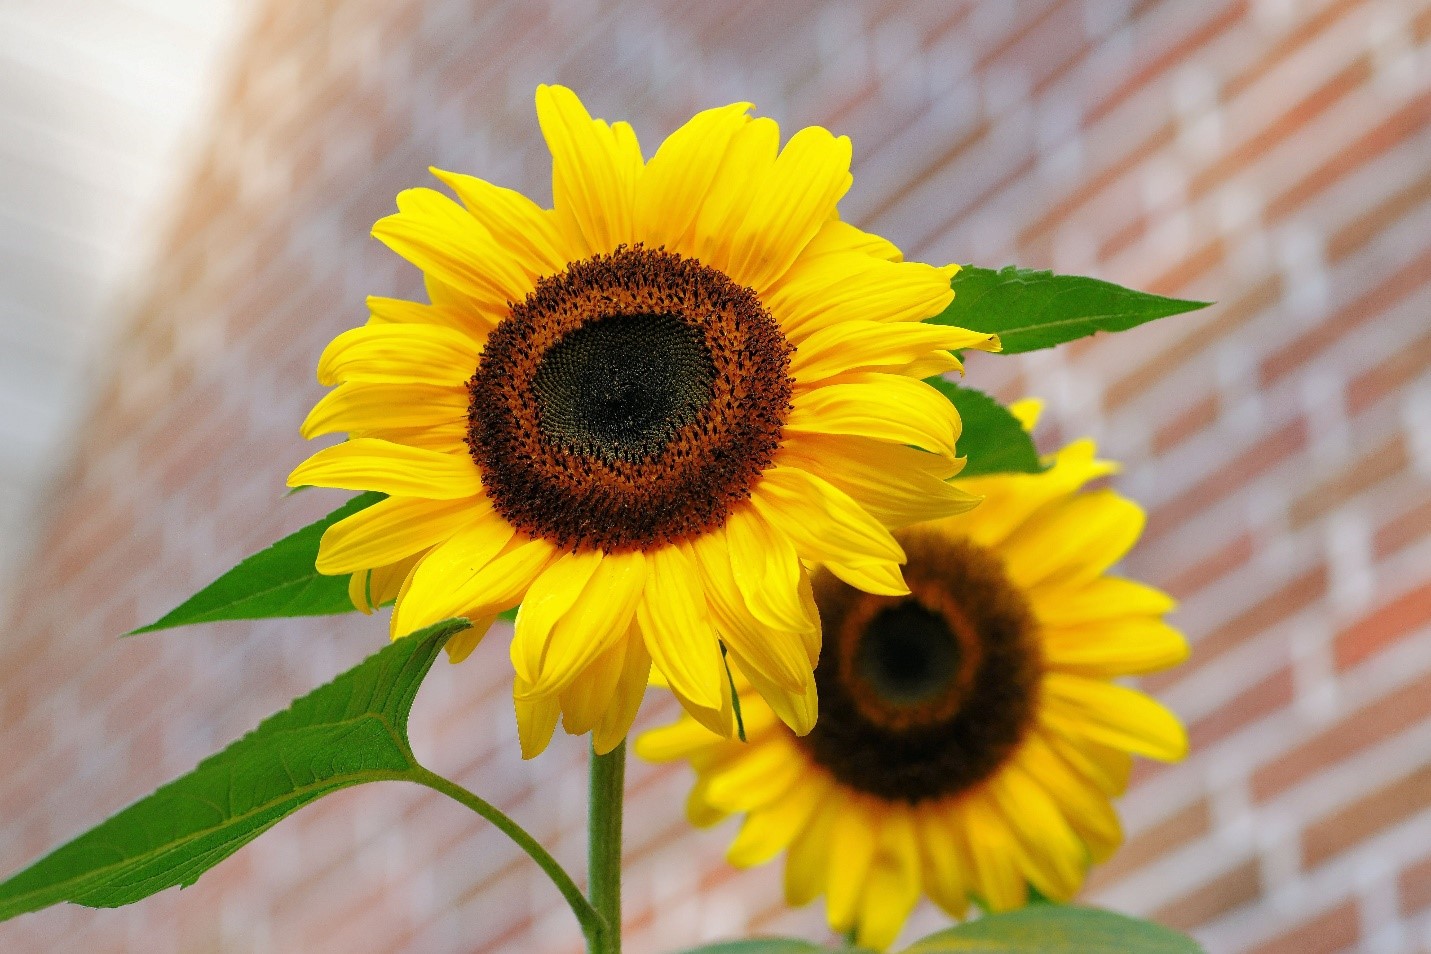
761	945
279	581
350	731
993	439
1029	310
1057	929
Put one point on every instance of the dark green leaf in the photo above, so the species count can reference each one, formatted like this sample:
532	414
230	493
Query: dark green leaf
1057	929
993	439
350	731
1029	310
279	581
760	945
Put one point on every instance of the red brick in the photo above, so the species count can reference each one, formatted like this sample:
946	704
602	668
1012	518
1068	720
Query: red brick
1388	625
1194	419
1227	558
1390	375
1270	695
1222	320
1169	58
1364	472
1364	727
1285	126
1228	891
1407	528
1287	600
1181	828
1262	456
1336	930
1394	287
1352	824
1379	140
1414	887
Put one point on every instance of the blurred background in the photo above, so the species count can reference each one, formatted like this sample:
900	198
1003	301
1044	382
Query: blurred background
186	191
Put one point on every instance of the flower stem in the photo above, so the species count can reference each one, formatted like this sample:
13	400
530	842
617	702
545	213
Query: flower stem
608	780
592	924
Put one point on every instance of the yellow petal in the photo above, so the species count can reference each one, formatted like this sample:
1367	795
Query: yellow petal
895	484
766	568
1114	647
892	888
365	405
459	647
517	223
370	464
1114	715
594	624
853	838
836	236
474	321
828	527
1106	767
883	406
1010	499
1098	600
392	529
874	345
777	655
748	159
439	236
767	832
1027	411
807	865
1052	857
536	719
788	206
428	354
798	709
594	170
678	631
946	868
616	722
465	577
762	775
550	596
993	854
1085	807
827	290
369	589
674	184
1072	540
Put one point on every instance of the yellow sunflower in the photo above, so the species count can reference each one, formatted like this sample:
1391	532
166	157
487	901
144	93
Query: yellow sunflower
971	736
644	414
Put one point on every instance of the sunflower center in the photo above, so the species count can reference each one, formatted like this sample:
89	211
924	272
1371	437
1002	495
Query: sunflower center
629	402
621	388
908	655
926	695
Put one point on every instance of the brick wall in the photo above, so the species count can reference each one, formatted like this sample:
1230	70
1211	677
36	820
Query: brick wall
1274	156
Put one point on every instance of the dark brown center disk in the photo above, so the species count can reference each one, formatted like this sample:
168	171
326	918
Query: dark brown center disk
629	402
926	695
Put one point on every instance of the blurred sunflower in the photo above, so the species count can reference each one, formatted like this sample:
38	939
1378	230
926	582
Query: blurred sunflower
971	737
642	415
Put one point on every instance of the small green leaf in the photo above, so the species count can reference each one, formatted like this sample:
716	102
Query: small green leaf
993	439
350	731
1030	310
279	581
1057	929
760	945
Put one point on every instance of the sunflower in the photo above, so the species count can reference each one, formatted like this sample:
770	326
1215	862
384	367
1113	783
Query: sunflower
971	737
644	415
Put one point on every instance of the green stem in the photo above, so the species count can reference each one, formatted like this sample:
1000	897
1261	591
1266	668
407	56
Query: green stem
608	780
592	924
